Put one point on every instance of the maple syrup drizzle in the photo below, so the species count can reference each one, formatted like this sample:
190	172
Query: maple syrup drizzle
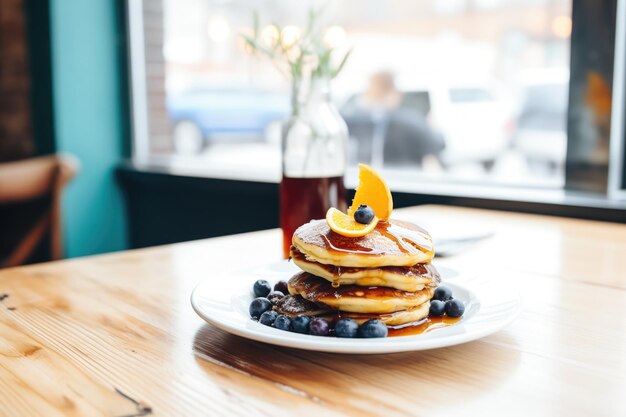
331	242
426	325
422	326
406	236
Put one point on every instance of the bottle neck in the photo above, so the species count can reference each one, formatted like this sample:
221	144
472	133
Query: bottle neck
318	91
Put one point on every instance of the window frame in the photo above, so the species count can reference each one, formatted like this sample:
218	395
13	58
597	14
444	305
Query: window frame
140	135
138	92
617	152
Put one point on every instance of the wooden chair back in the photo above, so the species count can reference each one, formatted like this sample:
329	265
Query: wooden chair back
29	180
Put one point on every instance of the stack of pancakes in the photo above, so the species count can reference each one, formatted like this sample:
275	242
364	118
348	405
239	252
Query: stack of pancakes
385	274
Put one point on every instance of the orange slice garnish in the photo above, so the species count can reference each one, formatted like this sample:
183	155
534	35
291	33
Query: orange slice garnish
345	225
374	192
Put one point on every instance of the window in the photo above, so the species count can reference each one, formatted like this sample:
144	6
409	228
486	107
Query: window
471	95
489	78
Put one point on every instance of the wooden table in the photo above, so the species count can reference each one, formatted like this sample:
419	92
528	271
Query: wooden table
115	335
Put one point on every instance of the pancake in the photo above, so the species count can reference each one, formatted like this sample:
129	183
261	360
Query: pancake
396	318
410	278
292	305
393	243
354	298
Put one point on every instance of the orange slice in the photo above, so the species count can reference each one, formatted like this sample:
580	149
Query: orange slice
374	192
345	225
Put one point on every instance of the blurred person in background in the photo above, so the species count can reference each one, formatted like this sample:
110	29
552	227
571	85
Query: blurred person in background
383	132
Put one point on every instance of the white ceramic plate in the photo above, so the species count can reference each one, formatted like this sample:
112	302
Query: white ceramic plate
223	302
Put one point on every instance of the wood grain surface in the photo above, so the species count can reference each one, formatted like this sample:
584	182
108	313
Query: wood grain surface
115	335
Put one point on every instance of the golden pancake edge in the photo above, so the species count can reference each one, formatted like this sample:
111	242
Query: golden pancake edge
356	299
411	278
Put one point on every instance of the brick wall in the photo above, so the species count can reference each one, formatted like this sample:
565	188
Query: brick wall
15	126
158	120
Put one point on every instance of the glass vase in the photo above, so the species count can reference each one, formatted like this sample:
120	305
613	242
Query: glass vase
314	157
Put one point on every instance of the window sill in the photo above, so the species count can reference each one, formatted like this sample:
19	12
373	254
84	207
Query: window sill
413	189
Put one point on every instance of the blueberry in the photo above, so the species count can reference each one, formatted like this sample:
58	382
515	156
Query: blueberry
259	306
346	328
319	327
364	214
455	308
373	328
261	288
268	317
437	308
282	287
274	296
282	322
442	293
300	324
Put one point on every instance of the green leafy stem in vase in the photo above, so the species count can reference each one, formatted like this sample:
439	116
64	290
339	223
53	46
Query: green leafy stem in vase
298	53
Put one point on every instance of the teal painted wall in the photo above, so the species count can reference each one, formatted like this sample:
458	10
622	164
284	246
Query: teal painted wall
89	120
